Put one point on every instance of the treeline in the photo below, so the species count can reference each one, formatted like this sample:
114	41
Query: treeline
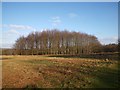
58	42
104	49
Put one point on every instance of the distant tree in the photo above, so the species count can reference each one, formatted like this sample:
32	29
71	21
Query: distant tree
20	45
31	42
110	48
119	44
7	51
57	42
37	42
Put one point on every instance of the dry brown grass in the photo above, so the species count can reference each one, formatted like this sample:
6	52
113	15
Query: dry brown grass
54	72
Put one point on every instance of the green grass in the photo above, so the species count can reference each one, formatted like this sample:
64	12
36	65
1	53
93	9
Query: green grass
45	62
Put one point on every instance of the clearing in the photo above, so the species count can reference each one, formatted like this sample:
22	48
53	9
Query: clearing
58	72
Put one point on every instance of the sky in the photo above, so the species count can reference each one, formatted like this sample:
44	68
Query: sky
94	18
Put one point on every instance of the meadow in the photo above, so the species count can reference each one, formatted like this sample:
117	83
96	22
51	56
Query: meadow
47	71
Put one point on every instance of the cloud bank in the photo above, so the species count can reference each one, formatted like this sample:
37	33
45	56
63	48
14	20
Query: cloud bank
109	40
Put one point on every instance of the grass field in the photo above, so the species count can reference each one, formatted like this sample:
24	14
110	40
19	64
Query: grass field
58	72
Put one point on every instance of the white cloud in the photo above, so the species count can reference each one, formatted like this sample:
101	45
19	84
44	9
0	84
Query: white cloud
12	31
21	27
57	17
3	25
17	27
72	15
6	45
109	40
9	37
56	21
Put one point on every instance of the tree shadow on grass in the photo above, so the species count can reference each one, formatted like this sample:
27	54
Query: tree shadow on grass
5	58
92	56
105	78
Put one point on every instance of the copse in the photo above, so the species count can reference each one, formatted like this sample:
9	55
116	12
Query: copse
56	42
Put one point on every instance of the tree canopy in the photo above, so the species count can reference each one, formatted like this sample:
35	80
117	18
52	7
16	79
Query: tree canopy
56	42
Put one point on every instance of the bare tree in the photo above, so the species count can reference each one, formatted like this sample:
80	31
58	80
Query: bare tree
57	42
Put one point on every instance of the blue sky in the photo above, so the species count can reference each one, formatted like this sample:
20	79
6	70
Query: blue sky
95	18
